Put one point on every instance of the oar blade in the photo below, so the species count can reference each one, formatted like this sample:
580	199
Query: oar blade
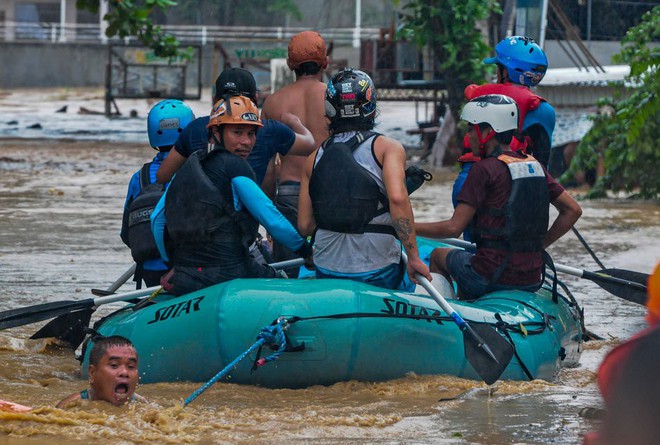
69	327
630	275
627	288
40	312
488	369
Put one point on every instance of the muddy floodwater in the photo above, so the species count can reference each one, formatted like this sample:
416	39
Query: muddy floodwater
61	201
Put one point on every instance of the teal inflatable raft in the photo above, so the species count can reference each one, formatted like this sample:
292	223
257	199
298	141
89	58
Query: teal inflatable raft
341	330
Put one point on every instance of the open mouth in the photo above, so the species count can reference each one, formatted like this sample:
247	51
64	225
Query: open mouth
121	391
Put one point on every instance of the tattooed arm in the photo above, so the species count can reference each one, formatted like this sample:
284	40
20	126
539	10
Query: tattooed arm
451	228
392	157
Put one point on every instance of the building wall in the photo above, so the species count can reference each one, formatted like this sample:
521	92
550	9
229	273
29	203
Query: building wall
33	64
45	64
601	50
52	65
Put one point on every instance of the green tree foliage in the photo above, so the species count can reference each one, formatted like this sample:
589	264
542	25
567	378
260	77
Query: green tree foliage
134	18
449	28
626	137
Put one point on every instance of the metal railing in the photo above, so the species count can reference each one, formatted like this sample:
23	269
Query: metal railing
93	33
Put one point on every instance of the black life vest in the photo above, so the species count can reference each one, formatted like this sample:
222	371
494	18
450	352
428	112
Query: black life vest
345	198
198	212
526	211
140	238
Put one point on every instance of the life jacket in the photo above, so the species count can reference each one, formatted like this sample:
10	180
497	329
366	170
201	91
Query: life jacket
140	238
524	98
526	211
345	198
198	212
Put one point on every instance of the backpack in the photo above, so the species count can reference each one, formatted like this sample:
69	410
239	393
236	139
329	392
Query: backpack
140	238
345	198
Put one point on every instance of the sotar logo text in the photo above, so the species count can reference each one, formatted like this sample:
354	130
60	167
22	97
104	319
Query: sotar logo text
397	307
175	310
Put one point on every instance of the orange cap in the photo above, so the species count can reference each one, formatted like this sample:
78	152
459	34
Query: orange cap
307	46
653	302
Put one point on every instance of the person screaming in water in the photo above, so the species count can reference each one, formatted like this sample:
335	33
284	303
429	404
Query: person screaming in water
113	374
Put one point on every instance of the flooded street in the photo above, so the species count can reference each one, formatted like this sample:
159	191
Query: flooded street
61	200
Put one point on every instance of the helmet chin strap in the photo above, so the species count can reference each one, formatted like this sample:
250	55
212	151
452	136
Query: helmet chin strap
215	137
482	142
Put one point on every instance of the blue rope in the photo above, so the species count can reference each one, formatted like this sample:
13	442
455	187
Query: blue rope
272	335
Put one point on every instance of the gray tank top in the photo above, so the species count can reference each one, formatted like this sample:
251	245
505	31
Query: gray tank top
357	253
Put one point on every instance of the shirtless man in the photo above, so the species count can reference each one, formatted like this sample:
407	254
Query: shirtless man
307	57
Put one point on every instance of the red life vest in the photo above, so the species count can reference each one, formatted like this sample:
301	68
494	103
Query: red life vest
523	96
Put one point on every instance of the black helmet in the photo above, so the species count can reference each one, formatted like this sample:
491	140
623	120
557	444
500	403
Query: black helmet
350	93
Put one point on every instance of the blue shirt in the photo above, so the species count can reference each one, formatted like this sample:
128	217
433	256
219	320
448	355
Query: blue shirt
274	137
458	185
543	115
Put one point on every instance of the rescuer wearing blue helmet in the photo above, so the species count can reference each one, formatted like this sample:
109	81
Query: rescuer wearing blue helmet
166	121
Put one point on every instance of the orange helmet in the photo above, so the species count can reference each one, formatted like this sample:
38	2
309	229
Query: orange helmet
653	302
307	46
239	110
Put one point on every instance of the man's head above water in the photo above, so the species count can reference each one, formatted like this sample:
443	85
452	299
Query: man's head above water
113	373
113	370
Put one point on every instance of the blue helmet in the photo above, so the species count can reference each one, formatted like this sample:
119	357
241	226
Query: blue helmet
166	121
524	60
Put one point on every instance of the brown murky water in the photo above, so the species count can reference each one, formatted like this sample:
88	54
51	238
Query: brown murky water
60	214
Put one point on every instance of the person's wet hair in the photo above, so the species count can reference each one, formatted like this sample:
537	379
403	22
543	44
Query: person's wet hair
307	69
102	344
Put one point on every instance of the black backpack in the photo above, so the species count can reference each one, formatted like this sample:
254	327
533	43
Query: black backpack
345	198
140	238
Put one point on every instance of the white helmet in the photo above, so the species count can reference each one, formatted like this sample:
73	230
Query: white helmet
497	110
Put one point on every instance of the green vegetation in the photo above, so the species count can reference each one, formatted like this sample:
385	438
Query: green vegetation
626	139
449	28
134	18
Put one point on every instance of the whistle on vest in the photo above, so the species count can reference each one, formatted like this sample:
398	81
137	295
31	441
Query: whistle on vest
415	177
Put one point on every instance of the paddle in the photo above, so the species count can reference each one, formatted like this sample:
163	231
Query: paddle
45	311
117	284
586	246
486	350
626	284
69	327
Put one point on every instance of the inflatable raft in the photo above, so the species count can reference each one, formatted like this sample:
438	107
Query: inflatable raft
339	330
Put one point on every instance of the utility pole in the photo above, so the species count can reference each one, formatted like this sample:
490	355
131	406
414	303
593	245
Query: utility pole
358	21
62	20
